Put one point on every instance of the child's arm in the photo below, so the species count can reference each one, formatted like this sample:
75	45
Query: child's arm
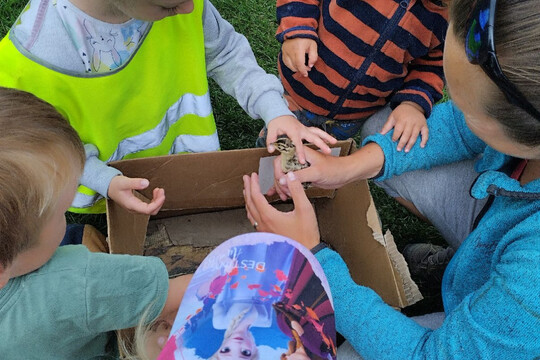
231	63
423	87
297	31
177	289
110	183
297	18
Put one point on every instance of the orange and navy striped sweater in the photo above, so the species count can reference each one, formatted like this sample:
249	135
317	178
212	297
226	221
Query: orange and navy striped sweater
371	52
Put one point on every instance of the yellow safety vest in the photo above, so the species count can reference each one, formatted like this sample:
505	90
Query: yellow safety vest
156	104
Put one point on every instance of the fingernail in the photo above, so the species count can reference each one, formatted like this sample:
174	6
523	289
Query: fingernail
291	176
271	148
145	182
282	180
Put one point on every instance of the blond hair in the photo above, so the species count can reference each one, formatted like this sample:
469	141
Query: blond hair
39	153
517	29
135	348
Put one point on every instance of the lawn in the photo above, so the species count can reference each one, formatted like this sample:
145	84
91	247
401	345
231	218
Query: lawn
256	20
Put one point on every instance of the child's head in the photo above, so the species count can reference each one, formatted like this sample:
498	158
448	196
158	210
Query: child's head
516	31
41	159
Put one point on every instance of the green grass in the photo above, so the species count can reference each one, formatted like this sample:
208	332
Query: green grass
256	20
9	10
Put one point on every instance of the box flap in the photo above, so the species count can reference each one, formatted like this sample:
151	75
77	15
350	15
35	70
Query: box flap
204	180
344	226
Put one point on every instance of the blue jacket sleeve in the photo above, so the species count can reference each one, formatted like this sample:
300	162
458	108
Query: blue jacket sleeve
450	140
500	320
374	329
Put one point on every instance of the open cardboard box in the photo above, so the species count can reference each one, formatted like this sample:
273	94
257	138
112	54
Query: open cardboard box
204	183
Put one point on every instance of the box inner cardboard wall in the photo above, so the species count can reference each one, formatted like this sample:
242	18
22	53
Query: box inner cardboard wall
182	242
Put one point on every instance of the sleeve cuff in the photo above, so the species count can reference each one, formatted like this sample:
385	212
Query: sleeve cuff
298	32
97	175
318	248
386	144
424	100
272	105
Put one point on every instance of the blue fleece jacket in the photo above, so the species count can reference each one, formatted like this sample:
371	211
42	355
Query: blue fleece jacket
491	288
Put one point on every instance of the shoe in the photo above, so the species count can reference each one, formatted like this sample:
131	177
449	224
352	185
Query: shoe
261	139
427	263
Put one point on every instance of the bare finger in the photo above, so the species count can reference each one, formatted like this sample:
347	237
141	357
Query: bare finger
388	125
412	140
252	213
319	141
157	202
398	131
280	186
262	207
289	63
298	193
300	63
300	153
312	55
424	132
404	139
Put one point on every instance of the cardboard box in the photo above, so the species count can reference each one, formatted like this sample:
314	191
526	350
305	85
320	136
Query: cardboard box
203	183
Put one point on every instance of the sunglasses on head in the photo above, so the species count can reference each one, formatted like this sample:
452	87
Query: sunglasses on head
480	49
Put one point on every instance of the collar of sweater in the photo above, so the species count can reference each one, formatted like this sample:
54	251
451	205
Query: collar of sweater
492	181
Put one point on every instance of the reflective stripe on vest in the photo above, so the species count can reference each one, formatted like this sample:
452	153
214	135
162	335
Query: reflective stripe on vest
157	104
188	104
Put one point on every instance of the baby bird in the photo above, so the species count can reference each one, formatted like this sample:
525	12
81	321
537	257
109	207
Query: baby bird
289	160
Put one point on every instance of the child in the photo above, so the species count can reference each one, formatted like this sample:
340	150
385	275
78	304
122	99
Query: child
60	303
131	78
342	62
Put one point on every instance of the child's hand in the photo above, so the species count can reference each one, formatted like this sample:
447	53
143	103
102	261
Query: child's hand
408	121
294	51
299	224
121	191
296	131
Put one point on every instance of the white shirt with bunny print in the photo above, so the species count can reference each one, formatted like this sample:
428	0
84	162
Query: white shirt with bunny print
103	47
61	37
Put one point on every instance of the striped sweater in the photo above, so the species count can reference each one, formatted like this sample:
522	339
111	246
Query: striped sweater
371	52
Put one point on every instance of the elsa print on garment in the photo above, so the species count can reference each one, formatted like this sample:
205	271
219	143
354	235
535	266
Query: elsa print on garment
103	47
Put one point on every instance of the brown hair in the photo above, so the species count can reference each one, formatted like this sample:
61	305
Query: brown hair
517	29
39	153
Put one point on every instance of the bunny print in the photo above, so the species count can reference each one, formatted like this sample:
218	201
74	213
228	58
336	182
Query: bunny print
101	44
